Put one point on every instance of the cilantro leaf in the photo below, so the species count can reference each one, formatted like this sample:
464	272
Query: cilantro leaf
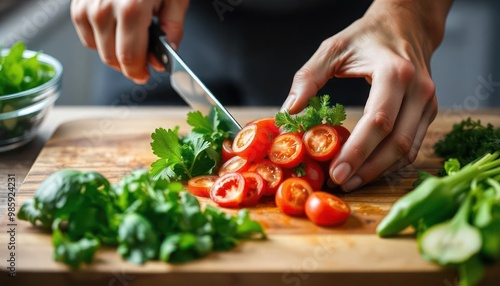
317	112
166	145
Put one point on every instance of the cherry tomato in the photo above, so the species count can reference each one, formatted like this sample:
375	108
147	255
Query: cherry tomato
267	123
200	186
271	173
292	196
235	164
252	142
342	132
256	187
229	190
321	142
326	209
227	150
287	150
311	171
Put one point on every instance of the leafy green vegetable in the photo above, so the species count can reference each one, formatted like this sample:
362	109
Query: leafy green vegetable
192	155
19	74
468	140
148	218
317	112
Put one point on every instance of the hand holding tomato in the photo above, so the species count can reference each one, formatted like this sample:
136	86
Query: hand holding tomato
390	46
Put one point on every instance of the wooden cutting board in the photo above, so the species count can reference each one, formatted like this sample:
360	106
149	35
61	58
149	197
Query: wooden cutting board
297	252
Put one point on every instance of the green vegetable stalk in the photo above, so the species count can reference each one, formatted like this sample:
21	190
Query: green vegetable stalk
437	197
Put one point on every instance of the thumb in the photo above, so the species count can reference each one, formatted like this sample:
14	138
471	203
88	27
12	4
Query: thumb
310	78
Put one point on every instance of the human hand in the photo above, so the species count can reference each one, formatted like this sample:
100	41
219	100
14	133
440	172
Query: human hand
391	47
118	29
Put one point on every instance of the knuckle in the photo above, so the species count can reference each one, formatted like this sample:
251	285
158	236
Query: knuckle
303	74
428	89
405	70
131	8
99	14
127	58
404	143
382	122
333	45
359	152
412	156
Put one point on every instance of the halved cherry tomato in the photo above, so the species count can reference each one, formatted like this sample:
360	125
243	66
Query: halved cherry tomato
271	173
235	164
268	123
287	150
229	190
311	171
200	186
321	142
252	142
292	196
256	187
326	209
227	150
342	132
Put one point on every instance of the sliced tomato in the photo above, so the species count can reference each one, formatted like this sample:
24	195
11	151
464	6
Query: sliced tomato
252	142
227	150
287	150
326	209
311	171
200	186
256	187
342	132
292	195
267	123
271	173
229	190
235	164
321	142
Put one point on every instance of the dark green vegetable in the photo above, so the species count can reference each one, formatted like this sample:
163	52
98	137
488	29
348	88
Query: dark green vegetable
19	74
457	217
436	197
468	140
195	154
318	111
146	218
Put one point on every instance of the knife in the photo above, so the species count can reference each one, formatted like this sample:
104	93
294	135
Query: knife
185	82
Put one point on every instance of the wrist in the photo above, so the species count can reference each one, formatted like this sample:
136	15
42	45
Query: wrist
428	15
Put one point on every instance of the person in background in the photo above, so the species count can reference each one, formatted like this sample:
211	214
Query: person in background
390	46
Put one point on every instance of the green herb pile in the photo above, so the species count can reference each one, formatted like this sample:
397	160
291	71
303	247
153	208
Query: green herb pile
468	140
19	74
457	216
181	158
146	218
317	112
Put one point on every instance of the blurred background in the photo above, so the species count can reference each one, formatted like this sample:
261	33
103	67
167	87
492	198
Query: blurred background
466	67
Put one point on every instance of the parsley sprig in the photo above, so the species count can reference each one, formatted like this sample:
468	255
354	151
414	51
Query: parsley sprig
197	153
317	112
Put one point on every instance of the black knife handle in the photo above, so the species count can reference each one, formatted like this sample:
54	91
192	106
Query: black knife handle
157	46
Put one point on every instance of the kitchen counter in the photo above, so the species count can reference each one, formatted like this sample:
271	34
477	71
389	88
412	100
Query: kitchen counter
111	140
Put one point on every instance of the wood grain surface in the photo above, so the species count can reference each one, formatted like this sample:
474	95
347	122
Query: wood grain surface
297	252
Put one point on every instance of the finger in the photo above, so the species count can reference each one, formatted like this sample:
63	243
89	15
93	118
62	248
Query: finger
82	24
171	18
394	147
104	28
132	40
427	118
313	75
155	63
390	83
401	147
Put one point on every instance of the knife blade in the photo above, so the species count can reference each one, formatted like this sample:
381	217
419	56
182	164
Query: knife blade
185	82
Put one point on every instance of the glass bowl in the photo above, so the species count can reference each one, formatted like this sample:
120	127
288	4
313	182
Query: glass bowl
22	113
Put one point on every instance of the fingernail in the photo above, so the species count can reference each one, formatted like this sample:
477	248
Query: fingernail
140	81
351	184
341	173
288	103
